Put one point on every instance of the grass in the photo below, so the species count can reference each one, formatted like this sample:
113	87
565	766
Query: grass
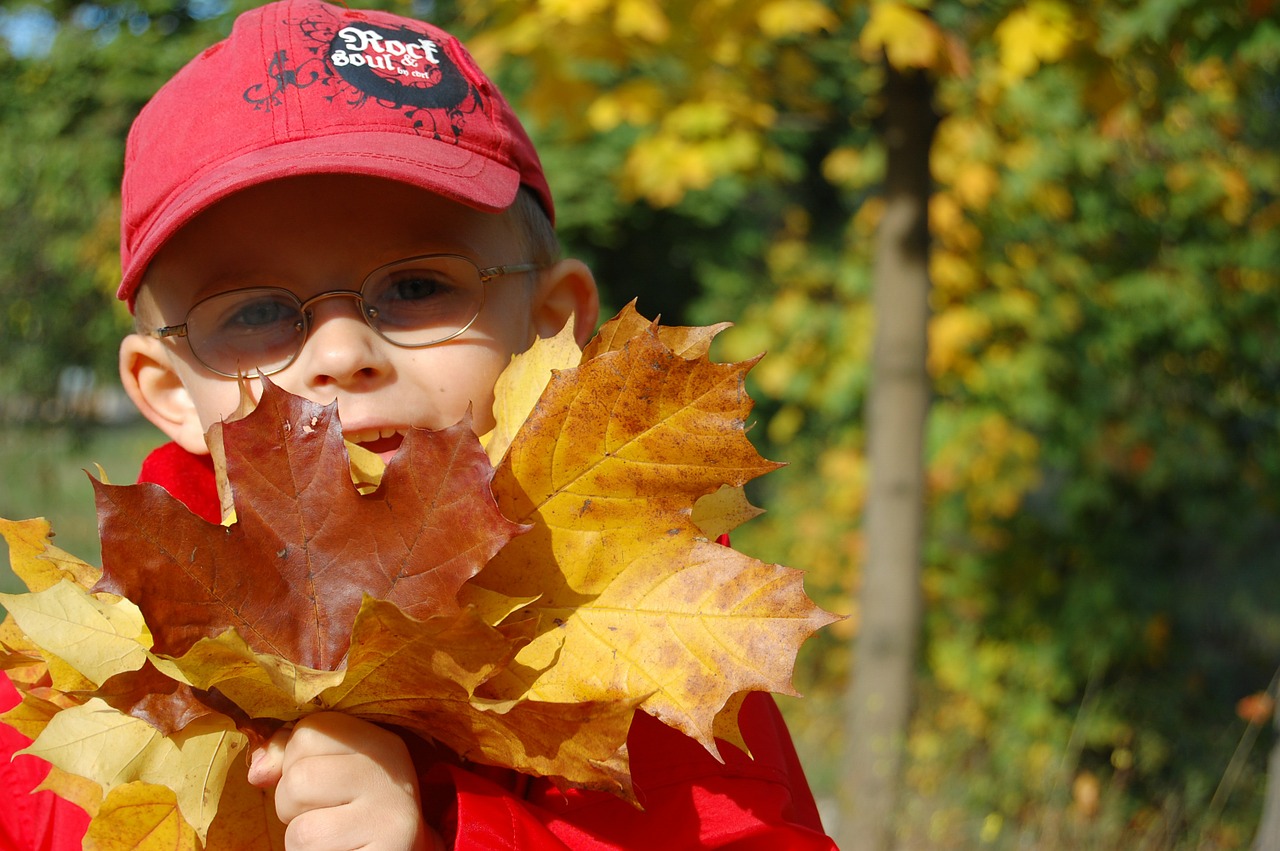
42	475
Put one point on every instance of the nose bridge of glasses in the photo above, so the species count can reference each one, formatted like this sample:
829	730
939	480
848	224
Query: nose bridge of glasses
307	307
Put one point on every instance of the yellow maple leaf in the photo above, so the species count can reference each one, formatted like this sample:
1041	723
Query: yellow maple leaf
246	818
624	613
37	562
262	684
143	817
113	749
97	637
721	512
522	382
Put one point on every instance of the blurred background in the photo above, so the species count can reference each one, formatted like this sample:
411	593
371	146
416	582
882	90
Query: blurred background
1092	649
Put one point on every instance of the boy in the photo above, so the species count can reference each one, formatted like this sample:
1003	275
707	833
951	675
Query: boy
341	200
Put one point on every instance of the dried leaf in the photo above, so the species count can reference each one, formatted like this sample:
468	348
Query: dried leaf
523	381
113	749
246	819
721	512
98	638
140	817
81	791
149	695
303	532
726	723
689	342
31	715
424	675
37	562
635	602
261	684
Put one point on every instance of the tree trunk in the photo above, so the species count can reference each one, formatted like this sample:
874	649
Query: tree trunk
1268	837
879	700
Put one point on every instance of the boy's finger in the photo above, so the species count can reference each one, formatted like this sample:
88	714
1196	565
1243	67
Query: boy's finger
267	762
336	733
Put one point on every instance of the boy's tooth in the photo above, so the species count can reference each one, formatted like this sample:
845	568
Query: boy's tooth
372	435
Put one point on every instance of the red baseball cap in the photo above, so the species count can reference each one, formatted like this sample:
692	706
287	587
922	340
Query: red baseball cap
304	87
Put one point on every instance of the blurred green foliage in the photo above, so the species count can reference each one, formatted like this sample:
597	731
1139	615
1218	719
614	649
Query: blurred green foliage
1105	340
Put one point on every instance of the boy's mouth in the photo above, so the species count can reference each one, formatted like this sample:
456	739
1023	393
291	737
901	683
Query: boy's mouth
382	442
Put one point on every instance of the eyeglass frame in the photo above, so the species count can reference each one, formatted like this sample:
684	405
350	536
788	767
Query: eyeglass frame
486	274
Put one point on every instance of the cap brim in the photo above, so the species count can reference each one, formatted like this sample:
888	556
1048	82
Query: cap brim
444	169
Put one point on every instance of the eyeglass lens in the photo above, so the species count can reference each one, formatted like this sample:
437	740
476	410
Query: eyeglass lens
415	302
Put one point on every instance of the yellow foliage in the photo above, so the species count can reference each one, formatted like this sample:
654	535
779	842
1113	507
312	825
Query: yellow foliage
785	424
1023	256
991	461
698	119
1055	201
842	168
573	12
1179	176
1213	76
952	229
1021	154
1237	194
636	102
867	219
975	184
1037	34
907	36
952	274
696	142
958	142
781	18
662	170
642	19
945	213
953	336
845	471
785	256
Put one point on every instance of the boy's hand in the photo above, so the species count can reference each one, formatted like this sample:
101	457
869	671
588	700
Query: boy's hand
343	784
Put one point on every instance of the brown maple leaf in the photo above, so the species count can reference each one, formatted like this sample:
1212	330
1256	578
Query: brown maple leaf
306	547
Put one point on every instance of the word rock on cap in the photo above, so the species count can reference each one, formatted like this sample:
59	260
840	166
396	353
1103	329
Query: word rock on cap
303	87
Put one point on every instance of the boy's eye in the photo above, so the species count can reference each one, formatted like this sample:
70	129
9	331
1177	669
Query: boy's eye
419	298
413	287
258	315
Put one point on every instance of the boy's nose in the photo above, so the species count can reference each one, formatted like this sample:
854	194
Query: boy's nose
341	348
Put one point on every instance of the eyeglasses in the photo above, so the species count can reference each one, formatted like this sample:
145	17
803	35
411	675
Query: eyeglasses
412	303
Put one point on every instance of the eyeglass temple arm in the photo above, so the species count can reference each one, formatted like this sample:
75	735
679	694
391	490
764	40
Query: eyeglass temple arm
509	269
170	331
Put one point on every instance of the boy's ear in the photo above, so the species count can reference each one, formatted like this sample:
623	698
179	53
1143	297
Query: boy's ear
157	390
566	289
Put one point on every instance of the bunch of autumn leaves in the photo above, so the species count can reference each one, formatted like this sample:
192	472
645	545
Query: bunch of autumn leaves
515	599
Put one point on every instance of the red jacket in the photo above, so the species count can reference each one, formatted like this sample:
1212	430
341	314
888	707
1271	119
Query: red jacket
690	800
